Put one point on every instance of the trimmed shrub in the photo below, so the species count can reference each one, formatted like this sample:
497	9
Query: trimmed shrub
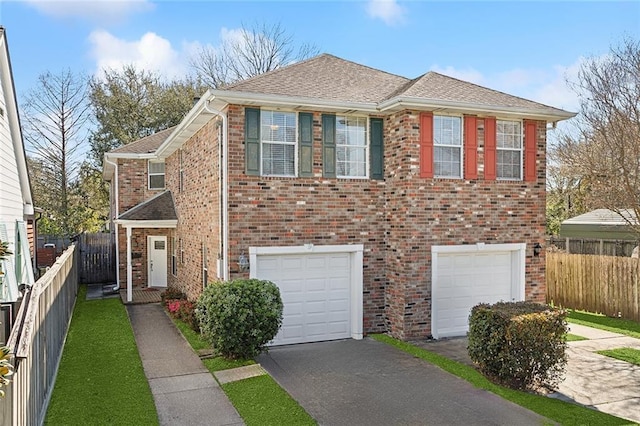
240	317
520	345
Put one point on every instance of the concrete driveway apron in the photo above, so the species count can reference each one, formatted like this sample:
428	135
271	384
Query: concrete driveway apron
350	382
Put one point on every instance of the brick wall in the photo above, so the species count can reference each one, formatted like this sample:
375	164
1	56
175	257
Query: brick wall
198	208
294	211
425	212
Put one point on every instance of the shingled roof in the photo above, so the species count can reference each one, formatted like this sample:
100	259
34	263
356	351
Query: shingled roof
435	86
160	207
145	145
329	79
324	77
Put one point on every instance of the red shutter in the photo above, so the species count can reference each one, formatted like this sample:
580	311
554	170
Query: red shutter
530	151
490	148
426	145
470	147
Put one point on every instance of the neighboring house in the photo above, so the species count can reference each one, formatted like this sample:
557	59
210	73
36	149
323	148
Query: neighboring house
599	224
16	204
599	232
375	202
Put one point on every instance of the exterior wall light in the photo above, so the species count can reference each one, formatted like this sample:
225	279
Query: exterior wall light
243	262
537	248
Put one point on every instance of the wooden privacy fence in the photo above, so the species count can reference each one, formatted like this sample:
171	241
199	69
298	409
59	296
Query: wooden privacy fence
97	258
603	284
36	342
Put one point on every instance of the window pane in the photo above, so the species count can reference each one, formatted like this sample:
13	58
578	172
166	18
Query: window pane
447	161
351	143
509	164
156	166
278	159
447	130
509	134
156	181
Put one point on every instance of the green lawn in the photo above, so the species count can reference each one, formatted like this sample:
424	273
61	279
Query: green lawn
575	338
616	325
259	400
559	411
100	380
629	355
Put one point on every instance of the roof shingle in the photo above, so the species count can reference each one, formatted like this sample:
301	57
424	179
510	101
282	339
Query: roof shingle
324	77
146	145
160	207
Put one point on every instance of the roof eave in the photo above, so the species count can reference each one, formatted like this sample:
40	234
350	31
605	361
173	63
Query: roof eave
293	102
127	223
402	102
195	119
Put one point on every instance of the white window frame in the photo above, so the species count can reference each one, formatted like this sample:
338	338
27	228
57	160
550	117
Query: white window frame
150	174
205	266
181	175
520	150
441	145
264	141
367	151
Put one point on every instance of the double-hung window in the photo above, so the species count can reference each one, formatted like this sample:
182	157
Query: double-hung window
509	150
156	174
351	147
447	146
278	137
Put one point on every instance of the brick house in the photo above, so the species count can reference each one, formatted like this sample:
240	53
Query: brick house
375	202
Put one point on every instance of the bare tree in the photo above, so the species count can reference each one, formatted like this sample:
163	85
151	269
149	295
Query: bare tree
256	50
605	155
55	118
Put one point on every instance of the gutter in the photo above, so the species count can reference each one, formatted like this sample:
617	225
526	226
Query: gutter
115	222
224	176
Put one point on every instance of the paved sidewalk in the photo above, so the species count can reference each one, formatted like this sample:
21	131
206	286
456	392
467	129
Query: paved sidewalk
184	391
601	382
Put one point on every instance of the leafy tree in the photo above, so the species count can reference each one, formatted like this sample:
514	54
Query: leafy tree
605	154
130	104
55	115
255	50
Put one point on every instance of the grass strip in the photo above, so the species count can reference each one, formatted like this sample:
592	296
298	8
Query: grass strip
261	401
553	409
101	380
199	344
575	338
629	355
603	322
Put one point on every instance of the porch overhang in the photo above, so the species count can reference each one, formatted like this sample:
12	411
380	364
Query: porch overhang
125	223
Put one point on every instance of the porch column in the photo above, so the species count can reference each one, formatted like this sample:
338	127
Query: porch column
129	267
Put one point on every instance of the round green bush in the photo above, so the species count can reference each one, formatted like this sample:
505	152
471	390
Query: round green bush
240	317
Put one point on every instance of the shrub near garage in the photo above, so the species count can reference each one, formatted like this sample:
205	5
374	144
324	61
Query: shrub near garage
521	345
240	317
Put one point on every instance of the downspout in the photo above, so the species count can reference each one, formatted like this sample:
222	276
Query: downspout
115	224
224	230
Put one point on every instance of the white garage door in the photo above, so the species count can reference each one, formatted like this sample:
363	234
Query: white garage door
462	279
316	290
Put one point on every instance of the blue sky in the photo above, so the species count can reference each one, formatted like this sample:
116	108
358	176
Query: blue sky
523	48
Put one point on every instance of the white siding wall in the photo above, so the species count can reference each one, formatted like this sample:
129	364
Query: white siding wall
11	203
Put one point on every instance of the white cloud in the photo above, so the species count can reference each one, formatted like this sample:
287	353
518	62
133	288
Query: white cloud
151	53
387	10
101	11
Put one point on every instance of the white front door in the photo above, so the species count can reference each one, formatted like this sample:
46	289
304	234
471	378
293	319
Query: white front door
157	255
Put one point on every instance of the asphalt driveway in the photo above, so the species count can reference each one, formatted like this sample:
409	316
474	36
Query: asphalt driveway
365	382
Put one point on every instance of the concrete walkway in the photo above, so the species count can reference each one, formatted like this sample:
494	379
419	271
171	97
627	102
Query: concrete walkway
601	382
184	391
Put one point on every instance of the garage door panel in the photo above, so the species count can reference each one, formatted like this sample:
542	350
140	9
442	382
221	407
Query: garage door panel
316	294
465	279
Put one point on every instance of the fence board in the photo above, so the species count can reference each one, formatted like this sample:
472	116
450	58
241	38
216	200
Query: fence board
97	258
602	284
